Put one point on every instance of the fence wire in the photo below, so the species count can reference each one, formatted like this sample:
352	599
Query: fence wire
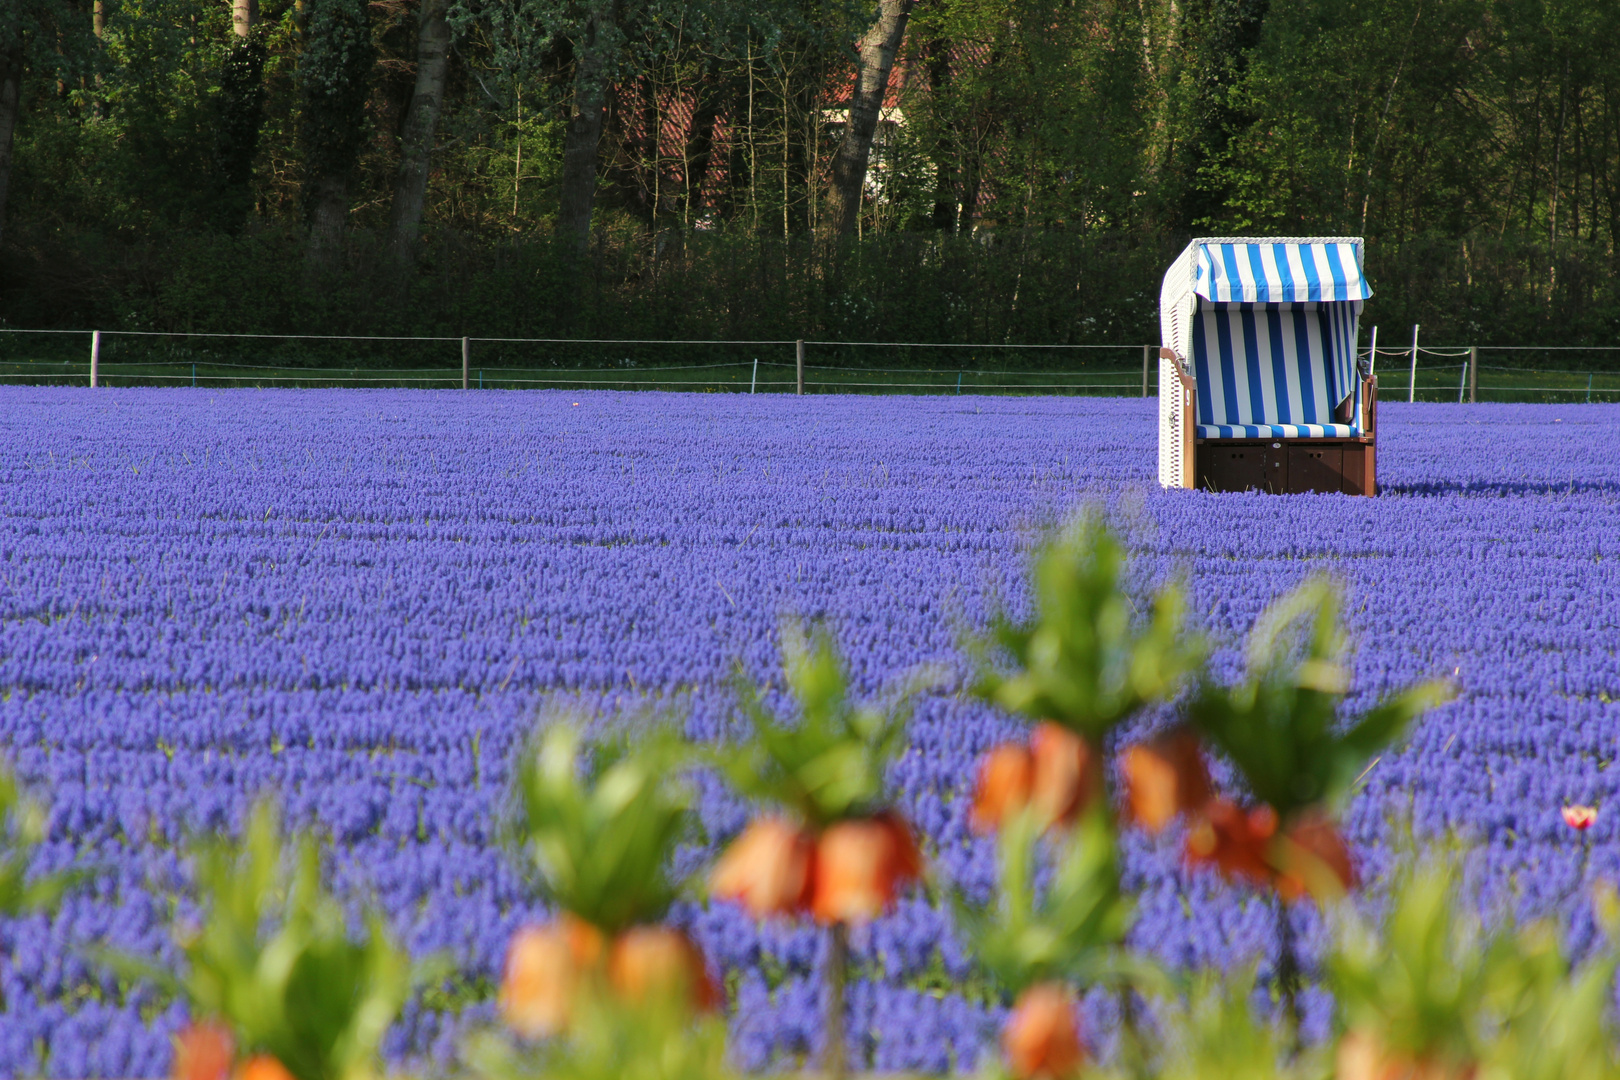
829	372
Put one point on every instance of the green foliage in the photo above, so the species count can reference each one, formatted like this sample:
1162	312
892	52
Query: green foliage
1432	984
1280	726
334	77
275	959
830	765
22	827
1086	661
1074	929
1214	1034
602	842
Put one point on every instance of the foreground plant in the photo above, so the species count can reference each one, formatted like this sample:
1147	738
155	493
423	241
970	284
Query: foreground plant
835	850
599	834
1299	759
1088	661
22	829
1431	993
277	984
1038	944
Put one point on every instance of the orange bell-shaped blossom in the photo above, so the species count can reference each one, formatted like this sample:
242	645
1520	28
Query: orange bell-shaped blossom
203	1051
1363	1057
1057	775
767	869
1041	1038
656	962
546	968
860	867
1313	859
1165	777
1006	778
1234	840
263	1067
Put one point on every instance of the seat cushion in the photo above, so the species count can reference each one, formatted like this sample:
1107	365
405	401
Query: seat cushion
1276	431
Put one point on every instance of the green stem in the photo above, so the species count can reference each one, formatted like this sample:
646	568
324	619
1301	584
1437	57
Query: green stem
837	974
1288	975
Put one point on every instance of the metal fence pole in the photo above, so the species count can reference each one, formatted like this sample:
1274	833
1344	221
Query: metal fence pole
1462	382
95	356
754	382
1473	374
1147	351
1411	393
798	351
466	360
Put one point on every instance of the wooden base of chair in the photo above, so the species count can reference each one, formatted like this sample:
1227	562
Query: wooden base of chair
1286	466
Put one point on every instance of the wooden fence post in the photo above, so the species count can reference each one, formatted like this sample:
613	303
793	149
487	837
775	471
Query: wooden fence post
798	351
466	360
95	356
1473	374
1147	352
1411	392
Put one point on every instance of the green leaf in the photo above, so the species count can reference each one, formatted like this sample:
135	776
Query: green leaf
1073	930
1086	661
832	763
1281	725
602	842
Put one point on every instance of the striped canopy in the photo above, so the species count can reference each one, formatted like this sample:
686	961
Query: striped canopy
1251	273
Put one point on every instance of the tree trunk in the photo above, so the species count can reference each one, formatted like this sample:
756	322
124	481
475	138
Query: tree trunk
241	116
877	51
334	71
244	13
421	122
939	84
328	212
592	65
10	93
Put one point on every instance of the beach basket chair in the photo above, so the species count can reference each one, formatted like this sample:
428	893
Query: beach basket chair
1259	384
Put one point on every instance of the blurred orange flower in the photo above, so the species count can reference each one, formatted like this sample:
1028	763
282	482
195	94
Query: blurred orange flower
1235	840
1314	860
656	960
263	1067
1006	778
1363	1057
1042	1037
203	1052
860	867
1165	777
766	869
546	966
1058	774
1580	818
1068	774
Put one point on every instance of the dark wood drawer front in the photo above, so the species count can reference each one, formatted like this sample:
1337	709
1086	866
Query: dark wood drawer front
1242	467
1315	468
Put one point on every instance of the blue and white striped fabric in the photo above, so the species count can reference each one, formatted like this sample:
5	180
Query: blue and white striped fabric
1272	370
1279	273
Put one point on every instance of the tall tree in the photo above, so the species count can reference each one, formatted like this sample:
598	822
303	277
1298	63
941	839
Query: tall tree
241	114
334	75
596	48
877	50
1231	31
11	68
421	125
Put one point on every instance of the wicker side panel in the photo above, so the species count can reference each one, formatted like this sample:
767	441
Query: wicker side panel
1172	426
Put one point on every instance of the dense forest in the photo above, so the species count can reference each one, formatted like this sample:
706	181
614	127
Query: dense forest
955	170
